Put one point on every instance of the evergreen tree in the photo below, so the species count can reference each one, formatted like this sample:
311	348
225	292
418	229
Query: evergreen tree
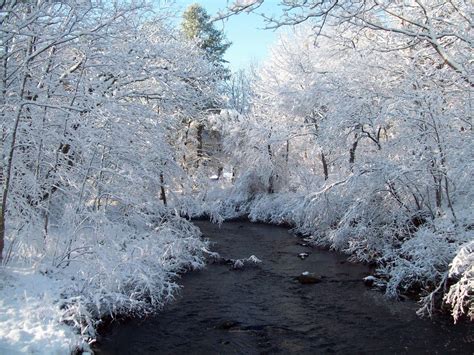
197	26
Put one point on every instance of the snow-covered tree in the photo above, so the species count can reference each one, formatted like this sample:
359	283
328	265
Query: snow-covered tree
377	143
91	97
197	26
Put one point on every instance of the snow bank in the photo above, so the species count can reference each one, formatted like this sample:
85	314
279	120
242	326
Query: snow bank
30	316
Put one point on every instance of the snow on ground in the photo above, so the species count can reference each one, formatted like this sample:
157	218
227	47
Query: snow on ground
30	317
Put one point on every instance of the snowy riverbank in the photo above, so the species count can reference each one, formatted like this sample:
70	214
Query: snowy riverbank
55	307
55	310
434	260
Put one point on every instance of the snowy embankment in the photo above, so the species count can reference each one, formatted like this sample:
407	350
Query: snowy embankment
30	317
434	259
55	306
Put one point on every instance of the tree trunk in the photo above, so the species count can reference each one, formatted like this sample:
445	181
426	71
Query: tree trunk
162	189
438	191
199	151
352	152
271	188
186	135
3	118
325	166
2	233
234	173
220	169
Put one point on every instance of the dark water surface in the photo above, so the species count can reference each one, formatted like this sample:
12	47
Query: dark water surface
263	309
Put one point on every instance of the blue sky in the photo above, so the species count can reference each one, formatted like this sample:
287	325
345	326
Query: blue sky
250	42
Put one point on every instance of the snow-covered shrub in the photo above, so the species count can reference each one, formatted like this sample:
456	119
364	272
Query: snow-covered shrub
461	295
422	260
128	272
281	208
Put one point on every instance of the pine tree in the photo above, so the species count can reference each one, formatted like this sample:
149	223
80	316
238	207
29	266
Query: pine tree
197	26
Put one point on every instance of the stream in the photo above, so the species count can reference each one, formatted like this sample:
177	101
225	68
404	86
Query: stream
263	309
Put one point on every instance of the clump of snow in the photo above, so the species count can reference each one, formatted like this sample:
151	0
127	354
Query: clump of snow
303	256
238	264
238	4
254	259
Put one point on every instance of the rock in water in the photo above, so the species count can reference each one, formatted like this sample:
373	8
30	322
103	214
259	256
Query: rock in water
369	281
254	259
303	256
228	324
309	278
238	264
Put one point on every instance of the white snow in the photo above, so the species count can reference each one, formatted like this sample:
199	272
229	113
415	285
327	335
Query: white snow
238	264
254	259
243	3
30	318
